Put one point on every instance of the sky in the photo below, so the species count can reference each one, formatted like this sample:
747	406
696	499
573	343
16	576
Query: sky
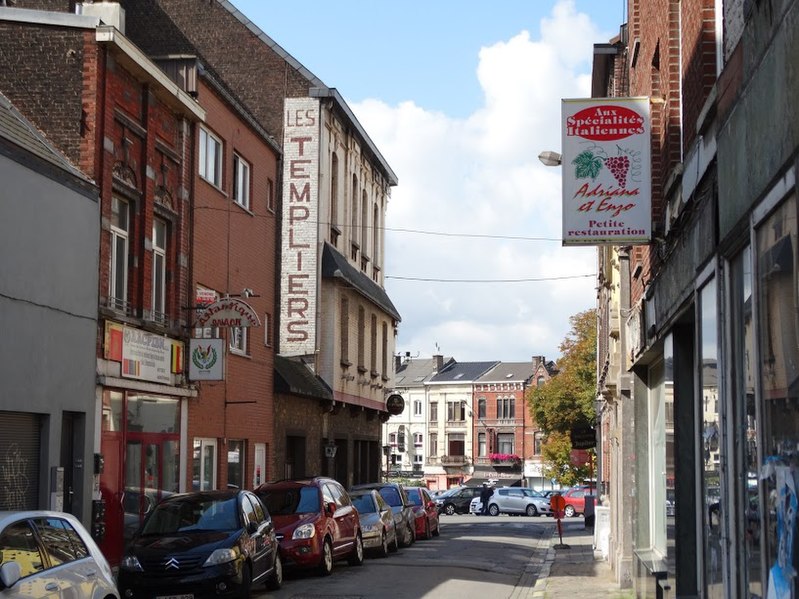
460	97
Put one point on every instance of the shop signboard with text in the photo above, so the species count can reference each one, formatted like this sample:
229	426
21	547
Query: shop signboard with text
606	162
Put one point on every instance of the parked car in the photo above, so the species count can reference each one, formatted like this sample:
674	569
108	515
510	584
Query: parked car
513	500
203	542
575	500
425	512
377	522
43	550
316	522
396	497
456	501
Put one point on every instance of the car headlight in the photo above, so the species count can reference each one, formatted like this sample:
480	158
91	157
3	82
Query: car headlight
131	562
222	556
305	531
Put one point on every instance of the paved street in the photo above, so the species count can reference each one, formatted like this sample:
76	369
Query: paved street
475	556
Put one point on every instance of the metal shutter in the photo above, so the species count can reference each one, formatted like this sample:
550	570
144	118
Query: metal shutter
19	461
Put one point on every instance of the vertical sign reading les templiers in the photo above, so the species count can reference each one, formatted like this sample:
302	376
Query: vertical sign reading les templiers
606	171
299	256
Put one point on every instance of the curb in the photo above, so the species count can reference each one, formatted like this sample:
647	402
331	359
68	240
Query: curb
533	581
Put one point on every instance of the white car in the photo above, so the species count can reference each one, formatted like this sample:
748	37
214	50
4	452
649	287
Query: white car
513	500
50	554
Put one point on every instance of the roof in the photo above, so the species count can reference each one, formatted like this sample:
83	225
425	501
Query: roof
32	148
505	372
414	372
336	266
293	376
462	372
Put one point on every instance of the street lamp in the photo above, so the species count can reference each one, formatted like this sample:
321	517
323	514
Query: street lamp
550	158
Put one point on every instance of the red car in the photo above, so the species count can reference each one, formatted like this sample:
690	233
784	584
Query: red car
575	500
425	512
315	522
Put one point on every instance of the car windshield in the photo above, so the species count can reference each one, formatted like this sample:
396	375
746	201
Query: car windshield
292	500
364	504
415	496
193	514
392	496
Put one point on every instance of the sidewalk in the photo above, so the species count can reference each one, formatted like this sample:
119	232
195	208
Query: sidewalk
569	572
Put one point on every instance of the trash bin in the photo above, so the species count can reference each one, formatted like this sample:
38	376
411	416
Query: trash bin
589	511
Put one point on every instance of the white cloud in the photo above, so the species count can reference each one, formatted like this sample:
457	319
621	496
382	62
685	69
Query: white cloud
481	175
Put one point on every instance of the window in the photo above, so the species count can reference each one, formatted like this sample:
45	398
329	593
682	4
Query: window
481	445
506	407
159	270
456	411
433	411
333	191
392	438
505	443
418	460
18	540
241	181
120	229
538	442
235	463
375	236
210	166
61	541
364	220
361	338
456	444
384	356
270	195
433	444
204	465
418	439
267	329
539	382
417	407
344	335
238	340
481	407
373	346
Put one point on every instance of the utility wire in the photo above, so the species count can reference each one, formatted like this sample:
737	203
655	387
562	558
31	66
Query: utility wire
533	280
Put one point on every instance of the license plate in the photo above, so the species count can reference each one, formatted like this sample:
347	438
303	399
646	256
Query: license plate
186	596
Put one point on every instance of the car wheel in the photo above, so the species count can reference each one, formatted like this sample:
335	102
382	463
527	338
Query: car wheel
275	581
428	534
449	509
246	582
383	545
411	534
326	563
532	510
395	545
569	511
493	509
356	558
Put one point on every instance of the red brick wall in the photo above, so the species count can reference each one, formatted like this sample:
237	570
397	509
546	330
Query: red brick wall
233	249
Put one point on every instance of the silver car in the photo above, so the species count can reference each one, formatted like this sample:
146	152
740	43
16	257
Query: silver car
513	500
377	522
50	554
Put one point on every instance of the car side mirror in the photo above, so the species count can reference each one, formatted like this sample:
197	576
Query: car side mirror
10	573
331	508
252	527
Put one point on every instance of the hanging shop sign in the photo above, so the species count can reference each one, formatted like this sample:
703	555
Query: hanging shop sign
228	312
395	404
606	163
583	437
206	359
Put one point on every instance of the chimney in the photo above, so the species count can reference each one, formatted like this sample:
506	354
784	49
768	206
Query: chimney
397	363
537	361
439	362
110	13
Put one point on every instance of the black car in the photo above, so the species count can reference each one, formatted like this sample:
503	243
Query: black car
456	501
401	506
206	543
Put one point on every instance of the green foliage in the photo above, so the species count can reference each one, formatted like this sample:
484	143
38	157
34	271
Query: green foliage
566	401
586	164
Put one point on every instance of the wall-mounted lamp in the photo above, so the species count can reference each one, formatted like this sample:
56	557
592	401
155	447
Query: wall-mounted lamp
550	158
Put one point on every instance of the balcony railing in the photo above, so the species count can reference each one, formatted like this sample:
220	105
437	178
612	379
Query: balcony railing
505	460
453	460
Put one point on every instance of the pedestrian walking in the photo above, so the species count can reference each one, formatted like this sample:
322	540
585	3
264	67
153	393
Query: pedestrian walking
485	494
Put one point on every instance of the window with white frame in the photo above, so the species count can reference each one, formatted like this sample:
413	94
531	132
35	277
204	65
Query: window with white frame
392	438
204	464
159	269
120	229
433	451
418	439
505	443
238	340
210	149
417	407
481	445
241	181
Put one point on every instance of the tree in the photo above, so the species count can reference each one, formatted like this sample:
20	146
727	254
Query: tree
566	401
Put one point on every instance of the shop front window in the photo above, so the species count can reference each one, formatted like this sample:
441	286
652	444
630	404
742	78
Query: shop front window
778	350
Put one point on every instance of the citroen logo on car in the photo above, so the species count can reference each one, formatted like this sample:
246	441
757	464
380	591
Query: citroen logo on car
172	563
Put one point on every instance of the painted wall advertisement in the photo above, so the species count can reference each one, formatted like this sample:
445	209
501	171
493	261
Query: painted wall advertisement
607	195
299	259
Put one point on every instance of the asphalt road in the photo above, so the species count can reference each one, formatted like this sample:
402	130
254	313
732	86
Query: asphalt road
474	557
